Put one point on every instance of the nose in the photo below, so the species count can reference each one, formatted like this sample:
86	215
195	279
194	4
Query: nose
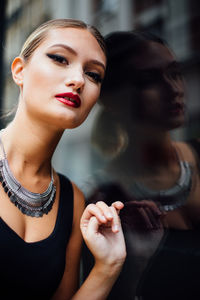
174	87
75	79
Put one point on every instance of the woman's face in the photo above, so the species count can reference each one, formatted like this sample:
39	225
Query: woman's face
159	86
62	79
150	90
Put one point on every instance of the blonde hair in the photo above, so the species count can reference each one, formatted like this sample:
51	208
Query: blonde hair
108	136
38	35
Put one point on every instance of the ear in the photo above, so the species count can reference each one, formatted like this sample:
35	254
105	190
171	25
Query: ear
17	69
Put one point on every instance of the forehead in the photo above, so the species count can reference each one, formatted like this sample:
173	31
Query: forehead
154	55
81	40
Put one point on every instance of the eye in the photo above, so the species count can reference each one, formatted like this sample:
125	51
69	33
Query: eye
58	58
176	74
146	79
95	76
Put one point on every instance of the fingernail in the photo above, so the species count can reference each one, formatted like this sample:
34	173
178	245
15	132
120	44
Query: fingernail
116	228
109	215
103	218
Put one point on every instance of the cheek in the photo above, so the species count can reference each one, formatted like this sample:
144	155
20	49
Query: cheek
90	99
181	85
38	77
151	98
152	93
91	96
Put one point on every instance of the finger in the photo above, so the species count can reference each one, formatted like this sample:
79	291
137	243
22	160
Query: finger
118	205
93	210
116	224
155	222
145	218
93	226
134	203
155	209
89	230
105	210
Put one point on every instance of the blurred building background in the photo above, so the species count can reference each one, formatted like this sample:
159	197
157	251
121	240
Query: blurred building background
177	21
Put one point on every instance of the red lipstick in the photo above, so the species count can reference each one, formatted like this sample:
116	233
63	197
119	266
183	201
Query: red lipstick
177	108
69	99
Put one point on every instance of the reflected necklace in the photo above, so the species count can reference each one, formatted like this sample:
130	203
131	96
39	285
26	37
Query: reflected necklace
171	198
30	204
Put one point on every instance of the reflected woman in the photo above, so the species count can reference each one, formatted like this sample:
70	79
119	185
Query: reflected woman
157	179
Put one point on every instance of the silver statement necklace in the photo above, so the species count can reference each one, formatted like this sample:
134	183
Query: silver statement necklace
173	197
30	204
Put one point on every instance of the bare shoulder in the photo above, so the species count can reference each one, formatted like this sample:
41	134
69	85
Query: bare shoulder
70	280
186	151
79	202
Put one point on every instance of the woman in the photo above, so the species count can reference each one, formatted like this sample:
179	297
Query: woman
59	73
157	179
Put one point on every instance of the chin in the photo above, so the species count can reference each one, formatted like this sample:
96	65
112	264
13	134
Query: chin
72	123
68	120
175	124
166	124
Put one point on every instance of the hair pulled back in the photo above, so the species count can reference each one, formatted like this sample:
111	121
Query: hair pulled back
40	33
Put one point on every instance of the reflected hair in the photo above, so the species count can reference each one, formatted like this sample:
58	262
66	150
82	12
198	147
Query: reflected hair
109	134
122	47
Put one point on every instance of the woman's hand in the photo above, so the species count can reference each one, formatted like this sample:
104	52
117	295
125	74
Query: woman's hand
102	232
142	215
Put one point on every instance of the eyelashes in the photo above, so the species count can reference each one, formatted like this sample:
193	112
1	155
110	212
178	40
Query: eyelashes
175	74
58	58
63	61
95	76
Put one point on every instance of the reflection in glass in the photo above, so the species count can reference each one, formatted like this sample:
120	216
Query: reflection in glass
157	179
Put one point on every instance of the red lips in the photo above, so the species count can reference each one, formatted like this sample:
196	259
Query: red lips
69	99
177	108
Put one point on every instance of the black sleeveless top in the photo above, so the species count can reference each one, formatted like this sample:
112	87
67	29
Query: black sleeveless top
34	270
160	264
173	272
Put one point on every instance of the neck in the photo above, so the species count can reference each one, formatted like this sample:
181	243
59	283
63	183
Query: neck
147	151
30	147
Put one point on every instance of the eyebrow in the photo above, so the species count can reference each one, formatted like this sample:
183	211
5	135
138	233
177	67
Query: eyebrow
97	62
65	47
173	64
71	50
